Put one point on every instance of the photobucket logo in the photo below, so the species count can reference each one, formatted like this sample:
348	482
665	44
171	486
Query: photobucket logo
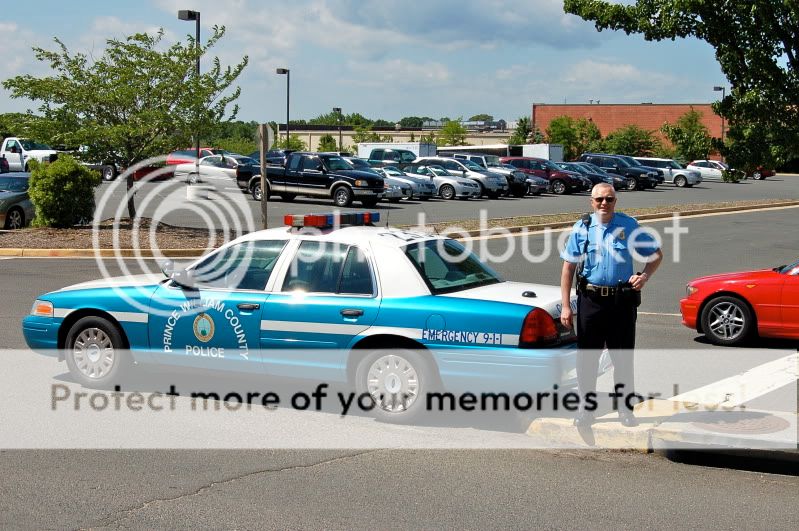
496	244
214	207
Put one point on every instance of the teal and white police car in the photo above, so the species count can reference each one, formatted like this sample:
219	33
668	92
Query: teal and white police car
330	297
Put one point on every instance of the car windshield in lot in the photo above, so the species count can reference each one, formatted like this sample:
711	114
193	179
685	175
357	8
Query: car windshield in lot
594	168
31	145
492	161
359	164
337	163
472	165
13	184
549	164
241	159
391	171
628	161
446	266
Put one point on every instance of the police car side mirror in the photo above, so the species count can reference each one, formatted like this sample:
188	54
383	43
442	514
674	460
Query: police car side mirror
167	268
183	277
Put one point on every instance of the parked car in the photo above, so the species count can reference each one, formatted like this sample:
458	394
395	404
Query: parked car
239	170
181	156
517	182
619	182
595	178
491	184
658	173
411	188
761	173
637	177
323	175
448	185
16	209
733	307
710	169
673	172
560	181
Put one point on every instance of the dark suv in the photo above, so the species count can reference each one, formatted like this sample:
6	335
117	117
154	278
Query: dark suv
638	178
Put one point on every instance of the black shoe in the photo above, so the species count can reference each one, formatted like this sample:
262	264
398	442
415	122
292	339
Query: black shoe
584	419
627	418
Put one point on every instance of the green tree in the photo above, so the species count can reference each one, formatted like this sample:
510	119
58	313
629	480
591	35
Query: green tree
757	47
136	101
13	124
453	133
589	139
689	135
414	121
632	140
481	118
62	192
327	143
429	138
563	130
243	146
295	143
521	135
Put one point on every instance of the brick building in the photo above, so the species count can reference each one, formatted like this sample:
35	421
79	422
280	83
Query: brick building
610	117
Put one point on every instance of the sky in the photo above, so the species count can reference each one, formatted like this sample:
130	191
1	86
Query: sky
384	58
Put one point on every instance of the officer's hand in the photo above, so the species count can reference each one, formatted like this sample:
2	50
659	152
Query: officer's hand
566	317
638	281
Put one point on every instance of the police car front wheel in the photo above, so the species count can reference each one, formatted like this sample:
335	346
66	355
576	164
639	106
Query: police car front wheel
398	381
94	352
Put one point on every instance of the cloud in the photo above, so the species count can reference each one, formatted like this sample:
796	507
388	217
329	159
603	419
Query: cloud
618	82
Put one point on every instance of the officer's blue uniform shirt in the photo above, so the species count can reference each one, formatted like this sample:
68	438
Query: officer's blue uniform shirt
609	259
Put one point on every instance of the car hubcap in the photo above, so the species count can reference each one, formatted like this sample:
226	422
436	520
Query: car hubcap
108	174
393	383
93	353
447	192
558	187
257	193
726	320
341	197
14	220
631	184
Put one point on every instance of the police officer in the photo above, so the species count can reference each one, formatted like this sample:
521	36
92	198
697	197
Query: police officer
601	249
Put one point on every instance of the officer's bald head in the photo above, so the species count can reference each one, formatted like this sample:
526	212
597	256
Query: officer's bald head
601	189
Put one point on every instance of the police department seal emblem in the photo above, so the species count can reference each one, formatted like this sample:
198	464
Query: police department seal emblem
203	327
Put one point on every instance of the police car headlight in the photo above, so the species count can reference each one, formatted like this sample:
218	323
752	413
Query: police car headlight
42	308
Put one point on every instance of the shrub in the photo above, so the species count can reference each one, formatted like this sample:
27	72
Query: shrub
730	176
62	192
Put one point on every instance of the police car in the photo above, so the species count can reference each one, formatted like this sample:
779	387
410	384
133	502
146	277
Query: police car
393	313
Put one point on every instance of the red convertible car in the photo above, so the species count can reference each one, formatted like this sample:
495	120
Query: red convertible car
733	307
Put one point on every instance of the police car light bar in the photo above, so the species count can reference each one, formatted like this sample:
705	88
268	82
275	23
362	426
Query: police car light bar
337	219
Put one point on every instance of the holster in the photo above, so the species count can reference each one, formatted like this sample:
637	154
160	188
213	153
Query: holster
582	282
626	294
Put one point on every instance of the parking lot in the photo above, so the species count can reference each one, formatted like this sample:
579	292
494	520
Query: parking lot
168	201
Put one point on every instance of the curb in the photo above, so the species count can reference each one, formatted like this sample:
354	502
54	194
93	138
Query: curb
102	253
666	425
190	253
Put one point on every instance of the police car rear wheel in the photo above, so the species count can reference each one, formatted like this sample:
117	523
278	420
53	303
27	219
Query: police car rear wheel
398	381
94	352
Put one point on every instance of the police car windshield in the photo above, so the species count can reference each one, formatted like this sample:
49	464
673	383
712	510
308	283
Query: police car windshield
446	266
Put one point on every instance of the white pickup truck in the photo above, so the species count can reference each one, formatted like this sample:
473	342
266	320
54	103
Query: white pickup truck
19	151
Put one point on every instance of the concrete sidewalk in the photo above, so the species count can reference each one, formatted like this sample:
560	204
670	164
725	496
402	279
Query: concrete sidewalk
668	425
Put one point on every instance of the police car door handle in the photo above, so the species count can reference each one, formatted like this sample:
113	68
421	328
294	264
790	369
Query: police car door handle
351	312
248	306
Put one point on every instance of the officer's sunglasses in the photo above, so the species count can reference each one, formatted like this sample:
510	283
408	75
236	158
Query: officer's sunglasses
608	199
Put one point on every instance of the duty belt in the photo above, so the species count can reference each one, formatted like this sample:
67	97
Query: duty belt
603	291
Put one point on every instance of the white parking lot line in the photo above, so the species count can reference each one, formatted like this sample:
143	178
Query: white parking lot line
751	384
658	313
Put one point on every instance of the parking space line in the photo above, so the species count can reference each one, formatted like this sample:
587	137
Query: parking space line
744	387
658	313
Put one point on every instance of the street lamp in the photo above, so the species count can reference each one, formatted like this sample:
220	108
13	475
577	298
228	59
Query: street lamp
186	14
723	92
337	110
286	71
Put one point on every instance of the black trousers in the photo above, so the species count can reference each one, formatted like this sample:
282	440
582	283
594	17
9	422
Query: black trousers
605	322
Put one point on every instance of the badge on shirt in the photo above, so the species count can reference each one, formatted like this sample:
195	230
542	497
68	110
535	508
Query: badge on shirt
621	234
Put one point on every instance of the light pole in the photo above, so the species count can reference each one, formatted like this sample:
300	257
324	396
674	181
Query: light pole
185	14
723	92
286	71
337	110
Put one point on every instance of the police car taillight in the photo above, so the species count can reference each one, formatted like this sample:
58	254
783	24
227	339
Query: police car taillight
337	219
538	330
